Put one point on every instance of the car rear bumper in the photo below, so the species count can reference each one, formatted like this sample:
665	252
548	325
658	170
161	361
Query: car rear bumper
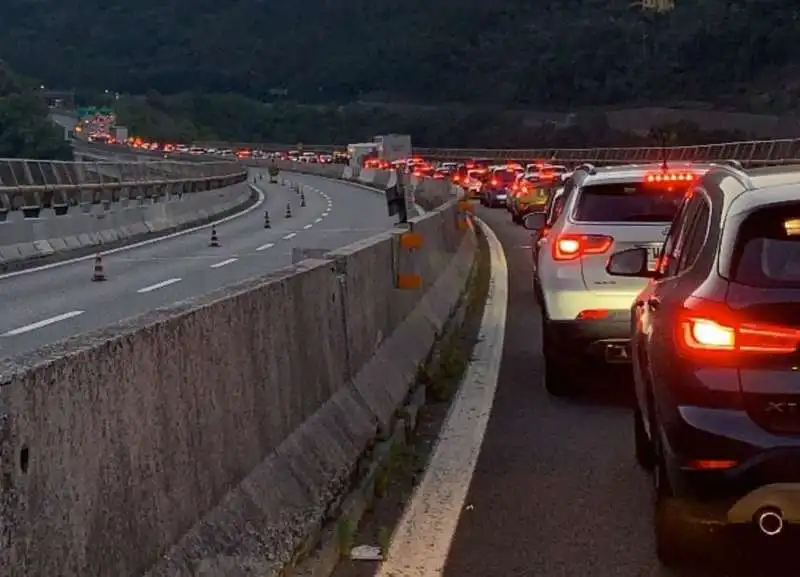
606	340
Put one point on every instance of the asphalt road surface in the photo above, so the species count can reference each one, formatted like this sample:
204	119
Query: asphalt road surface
41	306
555	491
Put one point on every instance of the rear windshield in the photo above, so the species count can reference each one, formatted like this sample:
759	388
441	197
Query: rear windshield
628	202
505	175
767	252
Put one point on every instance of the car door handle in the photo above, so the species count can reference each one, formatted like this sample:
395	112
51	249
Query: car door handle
653	303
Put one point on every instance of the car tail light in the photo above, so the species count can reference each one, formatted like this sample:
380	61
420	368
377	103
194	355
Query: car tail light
705	326
669	177
593	315
571	247
495	182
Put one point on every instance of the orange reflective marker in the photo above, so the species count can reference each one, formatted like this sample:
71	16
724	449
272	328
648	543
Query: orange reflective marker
409	281
466	206
411	240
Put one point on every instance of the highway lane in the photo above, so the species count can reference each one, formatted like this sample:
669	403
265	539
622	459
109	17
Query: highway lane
44	306
556	491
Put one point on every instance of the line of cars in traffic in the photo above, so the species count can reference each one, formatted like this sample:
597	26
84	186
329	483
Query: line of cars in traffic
689	274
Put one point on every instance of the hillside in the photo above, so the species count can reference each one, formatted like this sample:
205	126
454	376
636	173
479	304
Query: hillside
25	131
551	55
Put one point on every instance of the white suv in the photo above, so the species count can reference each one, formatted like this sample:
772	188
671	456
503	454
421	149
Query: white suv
585	311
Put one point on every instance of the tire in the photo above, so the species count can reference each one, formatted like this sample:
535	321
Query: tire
670	528
643	447
557	378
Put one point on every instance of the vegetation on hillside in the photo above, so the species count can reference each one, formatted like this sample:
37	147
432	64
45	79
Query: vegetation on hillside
25	131
288	71
230	118
553	54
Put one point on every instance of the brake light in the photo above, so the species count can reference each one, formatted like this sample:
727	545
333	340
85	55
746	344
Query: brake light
593	314
705	326
495	182
571	247
667	177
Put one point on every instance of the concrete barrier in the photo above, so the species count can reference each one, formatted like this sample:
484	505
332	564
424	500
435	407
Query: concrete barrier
224	427
27	242
428	193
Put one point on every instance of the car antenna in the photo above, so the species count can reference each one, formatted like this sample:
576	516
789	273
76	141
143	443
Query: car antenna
662	137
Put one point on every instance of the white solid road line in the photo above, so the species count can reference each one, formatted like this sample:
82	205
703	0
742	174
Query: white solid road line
422	539
43	323
306	227
224	263
159	285
265	246
261	199
290	236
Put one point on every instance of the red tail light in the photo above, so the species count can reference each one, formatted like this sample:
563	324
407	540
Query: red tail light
495	182
668	177
705	326
574	246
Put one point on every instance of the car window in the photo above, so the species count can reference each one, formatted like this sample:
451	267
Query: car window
673	246
767	250
696	236
628	202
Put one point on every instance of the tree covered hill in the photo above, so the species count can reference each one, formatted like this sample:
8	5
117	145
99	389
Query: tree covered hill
25	131
532	53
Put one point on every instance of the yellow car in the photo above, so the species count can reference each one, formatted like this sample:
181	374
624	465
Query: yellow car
531	197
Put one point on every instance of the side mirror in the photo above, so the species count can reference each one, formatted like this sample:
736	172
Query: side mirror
631	263
534	221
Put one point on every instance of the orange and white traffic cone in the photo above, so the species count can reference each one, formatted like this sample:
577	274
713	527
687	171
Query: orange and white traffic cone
99	273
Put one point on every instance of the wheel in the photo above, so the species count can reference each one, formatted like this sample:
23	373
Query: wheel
557	381
672	534
642	445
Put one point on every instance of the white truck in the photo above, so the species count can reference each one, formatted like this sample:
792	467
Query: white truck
392	147
357	152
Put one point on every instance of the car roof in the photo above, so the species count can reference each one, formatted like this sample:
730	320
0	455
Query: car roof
767	187
635	172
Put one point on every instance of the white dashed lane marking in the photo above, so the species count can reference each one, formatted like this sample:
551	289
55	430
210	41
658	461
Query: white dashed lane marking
266	246
318	220
42	323
157	286
289	236
306	227
224	263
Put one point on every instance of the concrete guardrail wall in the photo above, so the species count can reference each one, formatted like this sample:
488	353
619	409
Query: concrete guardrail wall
117	202
223	427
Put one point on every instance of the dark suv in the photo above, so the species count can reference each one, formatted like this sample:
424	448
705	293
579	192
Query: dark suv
716	360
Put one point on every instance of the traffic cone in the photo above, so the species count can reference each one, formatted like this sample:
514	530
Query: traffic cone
99	273
302	199
288	210
266	220
214	238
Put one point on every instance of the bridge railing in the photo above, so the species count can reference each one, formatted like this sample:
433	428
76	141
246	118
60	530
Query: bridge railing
749	153
30	185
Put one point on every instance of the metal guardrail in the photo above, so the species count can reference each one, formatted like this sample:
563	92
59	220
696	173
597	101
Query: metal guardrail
749	153
30	185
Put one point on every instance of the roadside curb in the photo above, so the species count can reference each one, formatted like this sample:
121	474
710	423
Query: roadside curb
321	551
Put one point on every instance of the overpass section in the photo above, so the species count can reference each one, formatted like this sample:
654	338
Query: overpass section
249	406
219	430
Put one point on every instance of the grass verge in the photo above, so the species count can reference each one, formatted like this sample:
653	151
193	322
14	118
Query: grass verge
395	479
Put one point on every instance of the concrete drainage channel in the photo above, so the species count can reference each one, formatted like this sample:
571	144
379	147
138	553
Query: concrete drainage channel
128	226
